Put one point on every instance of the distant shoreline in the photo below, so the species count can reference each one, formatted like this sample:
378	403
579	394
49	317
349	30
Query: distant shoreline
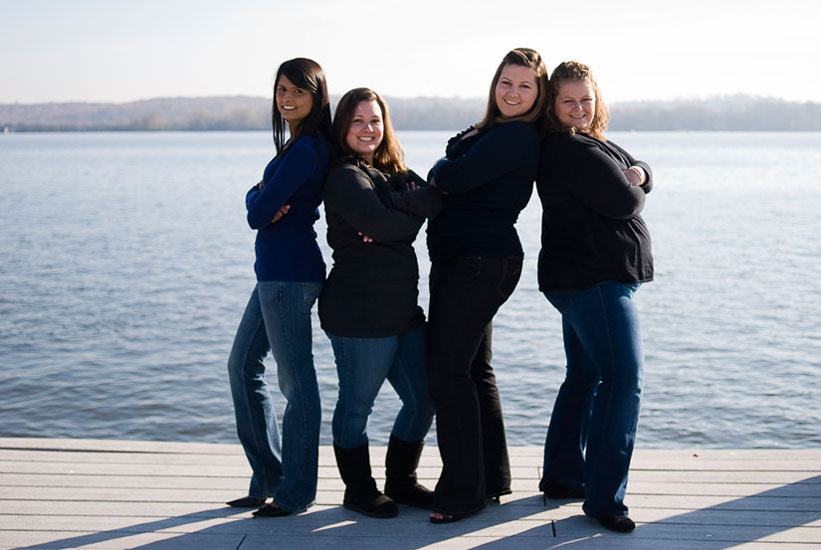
241	113
9	131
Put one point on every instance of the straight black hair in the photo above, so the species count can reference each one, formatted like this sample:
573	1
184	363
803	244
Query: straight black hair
308	75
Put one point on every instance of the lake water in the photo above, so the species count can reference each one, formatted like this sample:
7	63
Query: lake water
125	265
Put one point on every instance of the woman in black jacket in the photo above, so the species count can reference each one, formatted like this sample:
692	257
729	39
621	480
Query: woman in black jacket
476	260
375	207
595	253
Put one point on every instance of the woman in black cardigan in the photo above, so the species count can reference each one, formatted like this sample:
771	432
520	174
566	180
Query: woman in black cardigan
595	253
375	207
476	260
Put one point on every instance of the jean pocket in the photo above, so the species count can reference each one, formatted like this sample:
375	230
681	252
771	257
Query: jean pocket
509	277
459	270
310	292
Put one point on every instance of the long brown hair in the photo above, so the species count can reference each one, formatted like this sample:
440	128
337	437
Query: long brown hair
308	75
389	156
523	57
573	71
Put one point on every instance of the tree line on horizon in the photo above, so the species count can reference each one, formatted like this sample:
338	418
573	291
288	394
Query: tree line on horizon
728	113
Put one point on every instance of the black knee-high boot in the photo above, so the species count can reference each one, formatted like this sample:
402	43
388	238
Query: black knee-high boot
401	485
361	494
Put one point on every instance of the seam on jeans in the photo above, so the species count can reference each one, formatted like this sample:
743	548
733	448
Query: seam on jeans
609	403
406	378
342	376
260	323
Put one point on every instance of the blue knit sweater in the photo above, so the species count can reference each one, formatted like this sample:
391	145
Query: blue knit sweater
287	250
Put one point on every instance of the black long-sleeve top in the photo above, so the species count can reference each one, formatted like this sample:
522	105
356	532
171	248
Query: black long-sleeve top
591	227
371	291
488	178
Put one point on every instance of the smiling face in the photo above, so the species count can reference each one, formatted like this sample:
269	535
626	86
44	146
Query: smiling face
516	90
293	103
575	104
365	130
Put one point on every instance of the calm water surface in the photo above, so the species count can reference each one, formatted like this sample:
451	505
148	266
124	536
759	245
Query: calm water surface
125	265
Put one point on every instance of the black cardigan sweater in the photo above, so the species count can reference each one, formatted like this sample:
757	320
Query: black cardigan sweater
488	178
371	291
591	227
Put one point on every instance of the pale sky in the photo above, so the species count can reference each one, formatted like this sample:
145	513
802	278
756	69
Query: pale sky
125	50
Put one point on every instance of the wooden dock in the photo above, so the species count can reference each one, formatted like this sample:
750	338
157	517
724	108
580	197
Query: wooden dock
60	494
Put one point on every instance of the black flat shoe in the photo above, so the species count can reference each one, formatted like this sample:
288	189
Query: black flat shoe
557	490
246	502
622	524
271	511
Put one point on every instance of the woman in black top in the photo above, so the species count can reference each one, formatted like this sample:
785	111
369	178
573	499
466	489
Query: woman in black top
375	207
476	260
595	252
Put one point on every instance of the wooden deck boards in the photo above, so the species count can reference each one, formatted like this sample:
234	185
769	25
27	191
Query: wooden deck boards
61	494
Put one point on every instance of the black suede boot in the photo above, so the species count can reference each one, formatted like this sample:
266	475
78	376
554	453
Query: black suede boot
361	494
400	473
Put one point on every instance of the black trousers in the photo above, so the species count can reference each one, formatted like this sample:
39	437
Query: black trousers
465	294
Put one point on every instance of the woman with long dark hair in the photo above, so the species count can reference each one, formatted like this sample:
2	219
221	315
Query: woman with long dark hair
476	260
375	207
282	208
595	254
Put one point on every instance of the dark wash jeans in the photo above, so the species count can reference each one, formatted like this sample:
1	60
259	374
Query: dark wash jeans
593	425
465	294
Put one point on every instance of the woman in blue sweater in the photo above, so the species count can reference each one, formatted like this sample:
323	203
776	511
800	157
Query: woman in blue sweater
282	208
595	254
476	260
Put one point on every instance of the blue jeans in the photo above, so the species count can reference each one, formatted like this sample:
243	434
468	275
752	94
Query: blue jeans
598	404
362	365
278	318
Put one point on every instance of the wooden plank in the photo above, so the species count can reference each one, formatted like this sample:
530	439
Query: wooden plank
79	468
119	540
706	476
146	477
119	445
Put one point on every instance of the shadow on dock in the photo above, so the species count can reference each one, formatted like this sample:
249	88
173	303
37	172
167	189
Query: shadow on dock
519	524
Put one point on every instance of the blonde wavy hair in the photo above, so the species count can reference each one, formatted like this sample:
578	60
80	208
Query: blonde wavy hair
573	71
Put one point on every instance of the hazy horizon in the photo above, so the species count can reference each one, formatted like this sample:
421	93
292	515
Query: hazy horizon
695	99
640	50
